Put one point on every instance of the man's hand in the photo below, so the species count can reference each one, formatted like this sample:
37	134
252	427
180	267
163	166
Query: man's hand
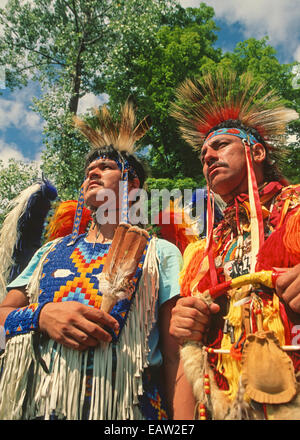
190	319
76	325
288	287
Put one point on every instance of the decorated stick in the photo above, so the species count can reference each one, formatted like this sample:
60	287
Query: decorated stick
266	277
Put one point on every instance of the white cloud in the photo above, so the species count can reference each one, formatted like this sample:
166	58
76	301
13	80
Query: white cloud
279	19
297	54
9	151
15	112
90	100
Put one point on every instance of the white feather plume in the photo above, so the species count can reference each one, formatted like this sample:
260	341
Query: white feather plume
9	233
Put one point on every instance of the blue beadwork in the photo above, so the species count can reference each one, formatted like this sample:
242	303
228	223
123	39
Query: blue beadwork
22	320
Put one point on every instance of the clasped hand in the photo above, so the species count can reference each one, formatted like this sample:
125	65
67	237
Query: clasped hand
76	325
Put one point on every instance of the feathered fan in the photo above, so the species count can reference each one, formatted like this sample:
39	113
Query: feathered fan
124	256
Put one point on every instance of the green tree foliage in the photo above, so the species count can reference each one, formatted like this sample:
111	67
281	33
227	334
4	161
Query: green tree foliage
121	47
15	176
182	45
69	46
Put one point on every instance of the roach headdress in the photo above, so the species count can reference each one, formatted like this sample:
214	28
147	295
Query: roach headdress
122	134
204	103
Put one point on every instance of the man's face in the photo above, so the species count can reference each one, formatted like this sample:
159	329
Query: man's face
101	175
224	165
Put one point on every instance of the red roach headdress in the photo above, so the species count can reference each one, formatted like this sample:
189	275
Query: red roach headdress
217	97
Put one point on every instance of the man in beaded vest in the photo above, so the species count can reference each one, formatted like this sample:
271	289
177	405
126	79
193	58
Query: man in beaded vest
239	313
65	356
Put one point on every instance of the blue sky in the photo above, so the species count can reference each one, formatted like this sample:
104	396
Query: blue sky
21	128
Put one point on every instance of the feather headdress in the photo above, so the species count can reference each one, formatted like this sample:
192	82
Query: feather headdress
121	134
204	103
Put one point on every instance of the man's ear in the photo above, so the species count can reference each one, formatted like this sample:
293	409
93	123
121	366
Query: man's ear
258	153
133	184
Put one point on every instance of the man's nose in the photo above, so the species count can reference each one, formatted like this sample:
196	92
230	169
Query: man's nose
211	155
95	173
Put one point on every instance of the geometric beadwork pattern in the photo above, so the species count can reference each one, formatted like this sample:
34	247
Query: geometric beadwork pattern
70	274
81	288
22	320
152	402
78	215
156	403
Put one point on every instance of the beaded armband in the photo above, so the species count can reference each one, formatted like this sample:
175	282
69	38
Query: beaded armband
23	320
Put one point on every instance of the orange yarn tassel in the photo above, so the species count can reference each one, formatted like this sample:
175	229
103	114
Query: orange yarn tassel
291	238
191	272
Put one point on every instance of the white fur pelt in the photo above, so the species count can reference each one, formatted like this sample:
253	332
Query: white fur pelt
9	233
195	365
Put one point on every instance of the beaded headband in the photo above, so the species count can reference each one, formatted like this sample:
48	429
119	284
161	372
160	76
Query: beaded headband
122	163
233	132
125	168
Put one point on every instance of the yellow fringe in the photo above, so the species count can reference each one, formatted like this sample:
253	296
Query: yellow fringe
231	368
272	320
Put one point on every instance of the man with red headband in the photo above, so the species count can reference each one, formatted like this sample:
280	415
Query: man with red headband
238	317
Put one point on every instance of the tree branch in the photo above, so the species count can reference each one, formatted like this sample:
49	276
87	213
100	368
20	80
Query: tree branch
29	67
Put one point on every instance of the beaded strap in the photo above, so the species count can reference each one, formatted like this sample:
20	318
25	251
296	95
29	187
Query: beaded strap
23	320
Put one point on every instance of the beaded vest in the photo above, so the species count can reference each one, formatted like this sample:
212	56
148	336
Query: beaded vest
70	273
